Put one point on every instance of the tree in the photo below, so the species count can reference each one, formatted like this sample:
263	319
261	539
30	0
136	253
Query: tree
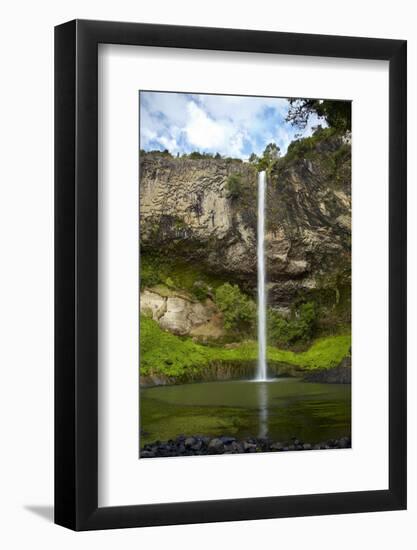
239	311
253	159
272	152
337	114
270	155
299	328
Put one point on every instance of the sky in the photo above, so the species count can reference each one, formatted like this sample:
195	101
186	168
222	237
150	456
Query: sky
234	126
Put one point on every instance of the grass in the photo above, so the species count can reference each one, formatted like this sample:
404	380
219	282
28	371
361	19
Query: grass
163	353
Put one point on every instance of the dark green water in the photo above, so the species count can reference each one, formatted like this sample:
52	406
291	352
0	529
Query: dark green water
279	409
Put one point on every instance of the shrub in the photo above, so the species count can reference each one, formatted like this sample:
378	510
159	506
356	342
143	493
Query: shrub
196	155
234	186
298	329
156	153
239	311
149	275
301	148
200	290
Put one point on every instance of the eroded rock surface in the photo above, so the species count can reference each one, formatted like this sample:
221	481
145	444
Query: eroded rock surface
180	314
188	211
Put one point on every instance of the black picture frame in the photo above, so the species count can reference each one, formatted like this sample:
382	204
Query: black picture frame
76	272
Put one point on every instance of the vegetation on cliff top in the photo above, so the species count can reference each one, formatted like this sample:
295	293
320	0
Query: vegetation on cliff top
165	354
193	155
337	114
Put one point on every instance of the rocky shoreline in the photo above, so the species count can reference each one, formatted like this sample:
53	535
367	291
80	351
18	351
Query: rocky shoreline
202	445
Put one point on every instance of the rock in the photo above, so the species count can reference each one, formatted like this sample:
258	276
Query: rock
179	313
188	200
152	304
249	447
202	445
344	442
216	446
342	374
226	440
189	442
197	446
147	454
308	210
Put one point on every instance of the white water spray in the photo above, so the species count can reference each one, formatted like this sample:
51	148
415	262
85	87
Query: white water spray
262	367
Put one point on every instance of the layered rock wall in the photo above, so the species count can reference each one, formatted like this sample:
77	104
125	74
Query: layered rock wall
188	210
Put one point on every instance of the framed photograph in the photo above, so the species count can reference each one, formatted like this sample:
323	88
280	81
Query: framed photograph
230	248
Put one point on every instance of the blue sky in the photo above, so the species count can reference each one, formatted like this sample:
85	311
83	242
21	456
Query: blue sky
233	126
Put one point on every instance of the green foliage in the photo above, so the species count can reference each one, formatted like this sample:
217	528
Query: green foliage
231	160
271	153
268	159
241	189
325	353
169	282
239	311
234	186
180	275
156	153
337	114
163	353
196	155
302	148
149	275
298	329
201	290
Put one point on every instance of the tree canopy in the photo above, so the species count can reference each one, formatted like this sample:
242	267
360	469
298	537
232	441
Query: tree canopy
270	155
337	114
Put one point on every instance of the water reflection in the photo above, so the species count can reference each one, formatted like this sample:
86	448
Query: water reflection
277	409
262	389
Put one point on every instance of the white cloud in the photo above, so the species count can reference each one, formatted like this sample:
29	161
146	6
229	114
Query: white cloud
202	131
231	125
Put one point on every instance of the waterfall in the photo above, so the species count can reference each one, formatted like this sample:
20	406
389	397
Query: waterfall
262	367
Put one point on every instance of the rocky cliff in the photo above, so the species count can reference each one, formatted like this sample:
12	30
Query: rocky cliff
186	209
204	211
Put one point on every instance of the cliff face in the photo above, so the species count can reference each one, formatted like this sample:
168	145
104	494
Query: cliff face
309	224
186	210
205	211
